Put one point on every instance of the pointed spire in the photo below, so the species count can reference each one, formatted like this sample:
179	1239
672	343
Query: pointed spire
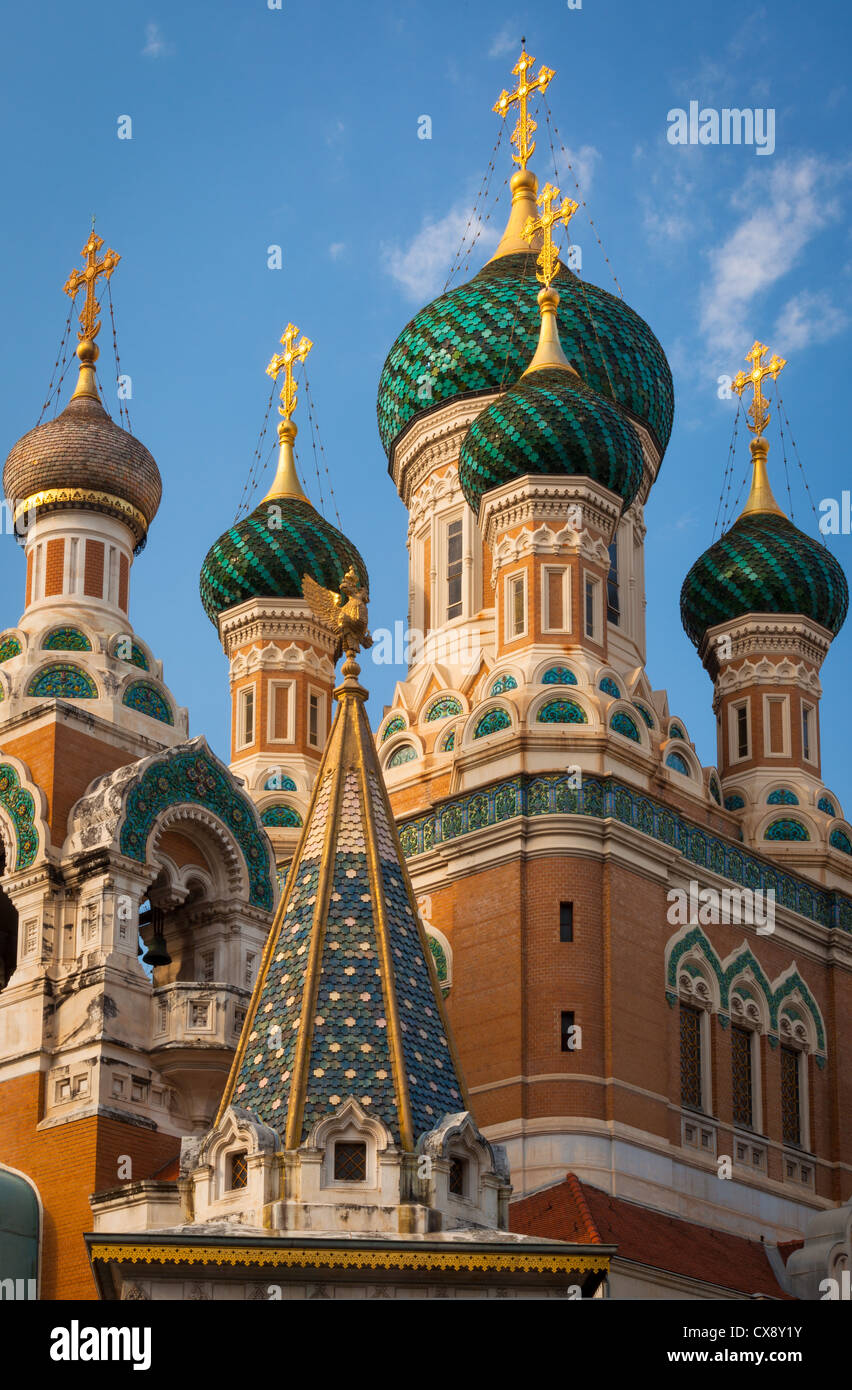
760	497
524	186
286	481
347	1001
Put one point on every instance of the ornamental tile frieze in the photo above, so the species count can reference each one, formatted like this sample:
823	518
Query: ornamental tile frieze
603	798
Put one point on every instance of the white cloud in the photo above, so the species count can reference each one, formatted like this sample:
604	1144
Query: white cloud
574	167
783	210
336	249
508	40
155	45
421	267
807	318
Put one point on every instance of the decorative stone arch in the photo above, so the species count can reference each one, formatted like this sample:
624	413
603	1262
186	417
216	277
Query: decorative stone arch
839	834
789	990
675	722
735	794
456	1138
827	795
23	817
282	811
350	1123
287	781
76	627
390	728
497	673
684	752
784	785
558	663
624	707
435	700
770	816
238	1132
442	954
480	713
395	743
689	946
607	673
52	680
121	811
208	833
748	999
545	695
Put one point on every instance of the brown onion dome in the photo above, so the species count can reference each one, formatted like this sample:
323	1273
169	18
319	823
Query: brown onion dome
84	460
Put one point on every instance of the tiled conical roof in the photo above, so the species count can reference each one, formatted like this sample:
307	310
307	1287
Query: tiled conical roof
347	1002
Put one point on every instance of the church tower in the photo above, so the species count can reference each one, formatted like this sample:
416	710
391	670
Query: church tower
112	822
763	605
281	656
553	810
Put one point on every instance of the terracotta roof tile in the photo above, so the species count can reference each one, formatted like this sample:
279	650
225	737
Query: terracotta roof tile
575	1211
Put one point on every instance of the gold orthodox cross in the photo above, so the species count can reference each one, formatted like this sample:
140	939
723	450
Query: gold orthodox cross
89	277
526	88
758	409
548	258
284	361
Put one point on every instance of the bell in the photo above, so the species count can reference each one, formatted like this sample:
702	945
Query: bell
157	954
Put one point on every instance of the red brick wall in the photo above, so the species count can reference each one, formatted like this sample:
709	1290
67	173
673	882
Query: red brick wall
93	584
123	581
54	567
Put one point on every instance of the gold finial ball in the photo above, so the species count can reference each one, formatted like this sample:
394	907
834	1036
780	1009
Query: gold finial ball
523	178
87	351
350	667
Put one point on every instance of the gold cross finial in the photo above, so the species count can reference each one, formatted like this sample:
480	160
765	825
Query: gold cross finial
284	360
548	258
89	277
758	409
526	88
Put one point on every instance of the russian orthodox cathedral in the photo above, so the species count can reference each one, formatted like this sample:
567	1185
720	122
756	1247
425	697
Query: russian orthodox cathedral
508	997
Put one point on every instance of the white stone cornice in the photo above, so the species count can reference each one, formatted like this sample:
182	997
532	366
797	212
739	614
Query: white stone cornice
762	634
537	500
270	620
427	498
766	673
544	541
273	657
432	440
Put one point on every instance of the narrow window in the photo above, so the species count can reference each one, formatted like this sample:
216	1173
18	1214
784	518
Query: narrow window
742	731
566	921
806	732
454	569
516	607
208	965
280	712
690	1056
238	1170
314	707
741	1064
613	606
246	717
791	1113
248	978
555	599
566	1030
776	725
457	1176
591	608
350	1162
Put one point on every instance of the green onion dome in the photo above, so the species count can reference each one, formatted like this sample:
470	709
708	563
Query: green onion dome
550	424
764	564
268	553
481	335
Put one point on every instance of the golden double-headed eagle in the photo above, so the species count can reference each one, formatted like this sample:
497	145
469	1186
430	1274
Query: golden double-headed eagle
345	613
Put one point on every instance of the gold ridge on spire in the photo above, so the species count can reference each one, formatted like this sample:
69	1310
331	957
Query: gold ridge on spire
286	481
760	498
549	351
521	135
87	348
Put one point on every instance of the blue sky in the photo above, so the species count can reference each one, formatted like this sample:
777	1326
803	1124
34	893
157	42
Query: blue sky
298	127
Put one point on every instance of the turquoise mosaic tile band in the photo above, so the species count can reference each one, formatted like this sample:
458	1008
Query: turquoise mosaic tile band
62	682
9	647
66	639
146	698
764	564
549	424
267	554
481	336
602	798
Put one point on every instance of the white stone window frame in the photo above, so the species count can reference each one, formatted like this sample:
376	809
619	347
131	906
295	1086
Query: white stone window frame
240	741
784	702
314	692
801	1048
350	1129
812	756
596	635
733	731
700	992
510	581
207	1006
564	571
272	697
751	1018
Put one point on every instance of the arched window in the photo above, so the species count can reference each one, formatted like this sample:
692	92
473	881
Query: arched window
502	684
393	726
62	682
677	764
20	1231
786	830
280	814
492	722
558	675
444	708
406	754
609	687
561	712
624	725
146	698
782	796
